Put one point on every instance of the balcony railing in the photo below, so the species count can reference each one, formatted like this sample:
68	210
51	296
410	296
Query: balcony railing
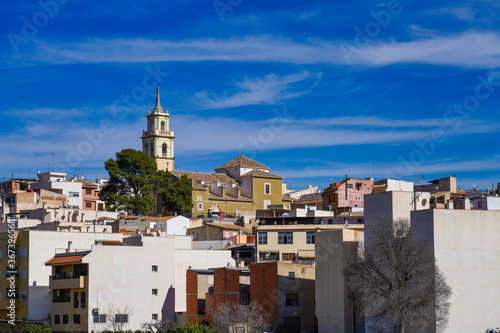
153	132
65	283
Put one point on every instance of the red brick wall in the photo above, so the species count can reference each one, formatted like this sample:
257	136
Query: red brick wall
264	287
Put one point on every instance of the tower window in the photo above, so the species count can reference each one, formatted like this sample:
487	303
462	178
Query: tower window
162	125
164	148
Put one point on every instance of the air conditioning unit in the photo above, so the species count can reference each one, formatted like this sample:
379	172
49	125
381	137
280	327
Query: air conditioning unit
95	311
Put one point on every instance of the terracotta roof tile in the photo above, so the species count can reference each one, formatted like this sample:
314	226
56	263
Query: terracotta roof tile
67	258
260	173
207	178
242	161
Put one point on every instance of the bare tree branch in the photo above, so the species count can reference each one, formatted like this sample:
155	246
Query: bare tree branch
395	282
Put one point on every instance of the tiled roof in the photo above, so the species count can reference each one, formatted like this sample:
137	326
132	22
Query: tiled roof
86	183
242	161
260	173
67	258
198	177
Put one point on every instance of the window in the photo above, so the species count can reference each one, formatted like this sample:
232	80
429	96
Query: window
349	186
360	221
154	316
65	319
440	199
195	236
263	238
1	253
88	205
164	148
162	125
228	234
359	186
285	237
74	194
292	299
76	319
23	295
291	275
154	292
200	205
24	273
24	252
121	318
76	299
310	237
83	300
267	188
88	191
57	319
288	256
199	198
269	256
480	204
100	318
154	268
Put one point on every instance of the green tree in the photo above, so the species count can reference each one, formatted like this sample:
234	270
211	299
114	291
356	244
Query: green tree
131	180
176	194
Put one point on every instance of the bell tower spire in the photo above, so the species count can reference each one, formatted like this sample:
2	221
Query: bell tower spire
158	108
158	139
158	94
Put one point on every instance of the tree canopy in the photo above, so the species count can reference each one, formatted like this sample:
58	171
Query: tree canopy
395	282
134	182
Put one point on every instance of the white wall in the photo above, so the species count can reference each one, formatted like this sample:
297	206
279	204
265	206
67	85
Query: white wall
42	247
175	226
466	248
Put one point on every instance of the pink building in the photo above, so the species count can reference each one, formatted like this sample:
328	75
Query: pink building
337	199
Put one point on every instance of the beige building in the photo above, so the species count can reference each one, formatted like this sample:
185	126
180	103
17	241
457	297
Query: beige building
121	285
465	246
239	185
158	139
334	308
292	239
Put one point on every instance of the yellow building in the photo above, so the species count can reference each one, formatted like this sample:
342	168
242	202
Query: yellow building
18	296
241	184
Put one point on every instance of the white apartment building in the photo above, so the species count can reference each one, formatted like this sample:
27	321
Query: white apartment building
123	285
57	182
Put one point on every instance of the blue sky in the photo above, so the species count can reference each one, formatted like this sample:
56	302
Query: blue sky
314	90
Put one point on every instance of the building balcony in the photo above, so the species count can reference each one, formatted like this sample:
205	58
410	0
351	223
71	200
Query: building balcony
73	283
157	132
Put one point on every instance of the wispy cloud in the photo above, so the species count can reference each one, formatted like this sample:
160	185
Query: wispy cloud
272	89
388	169
461	13
468	49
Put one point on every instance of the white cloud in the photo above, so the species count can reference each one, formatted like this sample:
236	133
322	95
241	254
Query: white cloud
393	170
272	89
468	49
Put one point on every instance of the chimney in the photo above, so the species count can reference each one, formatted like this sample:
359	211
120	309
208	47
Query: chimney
70	246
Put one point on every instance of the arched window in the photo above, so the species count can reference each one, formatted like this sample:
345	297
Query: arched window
162	125
164	148
151	150
151	127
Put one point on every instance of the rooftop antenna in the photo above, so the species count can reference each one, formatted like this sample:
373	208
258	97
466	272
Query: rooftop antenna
52	161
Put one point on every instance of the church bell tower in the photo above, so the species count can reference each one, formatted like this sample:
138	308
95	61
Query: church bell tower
158	139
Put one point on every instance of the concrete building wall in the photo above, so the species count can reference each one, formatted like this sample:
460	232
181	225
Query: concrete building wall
333	307
175	226
41	246
466	248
